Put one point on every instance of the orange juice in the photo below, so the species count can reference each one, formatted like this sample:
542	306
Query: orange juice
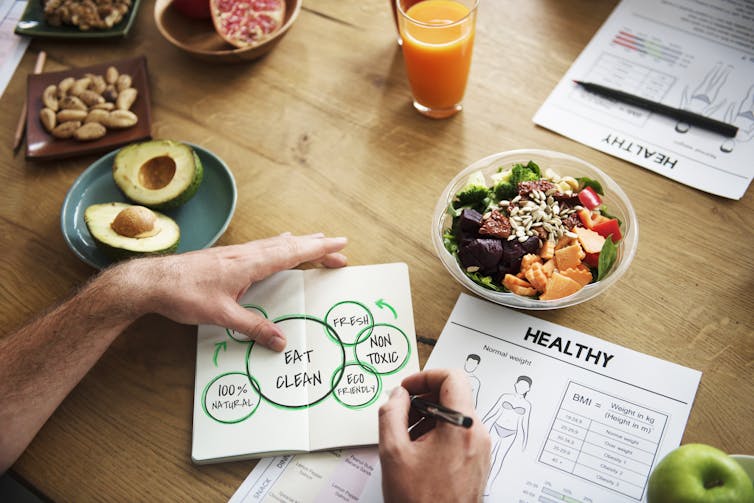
438	38
405	4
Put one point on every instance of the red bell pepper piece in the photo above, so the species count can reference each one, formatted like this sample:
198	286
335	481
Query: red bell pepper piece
608	227
589	198
589	219
592	259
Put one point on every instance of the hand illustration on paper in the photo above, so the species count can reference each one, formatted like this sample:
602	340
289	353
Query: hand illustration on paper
743	117
704	98
508	422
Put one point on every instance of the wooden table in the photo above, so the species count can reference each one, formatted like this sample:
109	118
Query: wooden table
320	136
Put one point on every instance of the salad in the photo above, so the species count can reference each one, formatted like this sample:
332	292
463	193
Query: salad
530	233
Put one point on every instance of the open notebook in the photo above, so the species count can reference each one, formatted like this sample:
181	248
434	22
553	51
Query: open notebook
351	340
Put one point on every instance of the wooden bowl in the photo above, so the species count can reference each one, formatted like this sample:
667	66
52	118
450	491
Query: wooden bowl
199	38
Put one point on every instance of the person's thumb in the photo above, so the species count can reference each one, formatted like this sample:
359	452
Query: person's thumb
255	327
393	419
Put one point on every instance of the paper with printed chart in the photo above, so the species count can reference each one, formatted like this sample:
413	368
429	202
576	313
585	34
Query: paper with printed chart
350	337
572	417
694	55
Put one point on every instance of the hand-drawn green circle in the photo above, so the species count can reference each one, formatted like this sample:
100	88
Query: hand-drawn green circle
361	340
365	308
306	317
213	381
247	306
372	371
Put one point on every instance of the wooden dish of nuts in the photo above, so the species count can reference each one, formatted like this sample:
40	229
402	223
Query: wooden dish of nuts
88	110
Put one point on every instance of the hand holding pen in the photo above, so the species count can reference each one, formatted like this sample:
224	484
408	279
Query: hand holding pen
455	447
439	412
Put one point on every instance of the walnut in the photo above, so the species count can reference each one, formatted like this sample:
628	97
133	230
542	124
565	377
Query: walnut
86	14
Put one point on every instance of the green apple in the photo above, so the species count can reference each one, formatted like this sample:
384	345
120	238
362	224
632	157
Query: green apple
698	473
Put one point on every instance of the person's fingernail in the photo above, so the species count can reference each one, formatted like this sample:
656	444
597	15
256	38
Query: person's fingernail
396	391
277	343
341	240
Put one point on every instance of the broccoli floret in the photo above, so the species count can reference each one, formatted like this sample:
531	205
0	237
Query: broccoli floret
475	194
532	166
505	190
507	187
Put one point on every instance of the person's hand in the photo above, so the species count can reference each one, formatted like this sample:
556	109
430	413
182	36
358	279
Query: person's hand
447	463
203	287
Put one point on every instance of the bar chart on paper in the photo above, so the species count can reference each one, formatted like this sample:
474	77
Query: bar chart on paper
651	48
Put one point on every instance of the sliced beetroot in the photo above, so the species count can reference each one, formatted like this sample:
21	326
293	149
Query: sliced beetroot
469	220
531	245
482	253
513	252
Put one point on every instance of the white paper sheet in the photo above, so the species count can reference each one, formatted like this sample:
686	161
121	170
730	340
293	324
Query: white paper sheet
12	46
350	337
572	417
690	54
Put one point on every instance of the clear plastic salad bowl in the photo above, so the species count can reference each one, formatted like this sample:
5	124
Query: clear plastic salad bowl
614	199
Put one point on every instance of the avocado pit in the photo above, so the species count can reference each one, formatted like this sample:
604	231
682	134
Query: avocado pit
135	222
157	172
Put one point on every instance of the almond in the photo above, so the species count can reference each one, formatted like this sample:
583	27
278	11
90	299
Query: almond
91	98
48	119
90	131
66	129
71	115
126	98
121	119
72	103
123	82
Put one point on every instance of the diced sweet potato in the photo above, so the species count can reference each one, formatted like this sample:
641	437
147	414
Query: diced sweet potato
590	241
547	251
570	256
563	242
549	267
581	274
526	263
559	286
518	286
536	276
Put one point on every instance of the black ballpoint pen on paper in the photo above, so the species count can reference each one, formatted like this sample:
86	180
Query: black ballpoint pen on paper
430	409
691	118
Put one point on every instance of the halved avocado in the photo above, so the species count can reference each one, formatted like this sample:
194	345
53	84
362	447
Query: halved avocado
159	174
122	230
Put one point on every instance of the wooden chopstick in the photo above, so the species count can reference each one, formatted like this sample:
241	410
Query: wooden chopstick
21	127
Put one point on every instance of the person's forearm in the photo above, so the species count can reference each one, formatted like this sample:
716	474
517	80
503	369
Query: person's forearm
44	360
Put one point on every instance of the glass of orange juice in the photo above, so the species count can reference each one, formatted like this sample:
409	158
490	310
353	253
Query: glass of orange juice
438	38
405	4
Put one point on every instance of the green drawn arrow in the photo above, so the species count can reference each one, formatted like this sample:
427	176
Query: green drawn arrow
382	304
219	345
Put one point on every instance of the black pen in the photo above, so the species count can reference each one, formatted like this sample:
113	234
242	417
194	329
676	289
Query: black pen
686	116
430	409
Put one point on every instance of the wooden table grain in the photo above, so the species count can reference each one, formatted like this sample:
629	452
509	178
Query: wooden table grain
320	136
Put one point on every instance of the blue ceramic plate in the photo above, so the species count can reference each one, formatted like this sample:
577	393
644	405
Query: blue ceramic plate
202	220
33	24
